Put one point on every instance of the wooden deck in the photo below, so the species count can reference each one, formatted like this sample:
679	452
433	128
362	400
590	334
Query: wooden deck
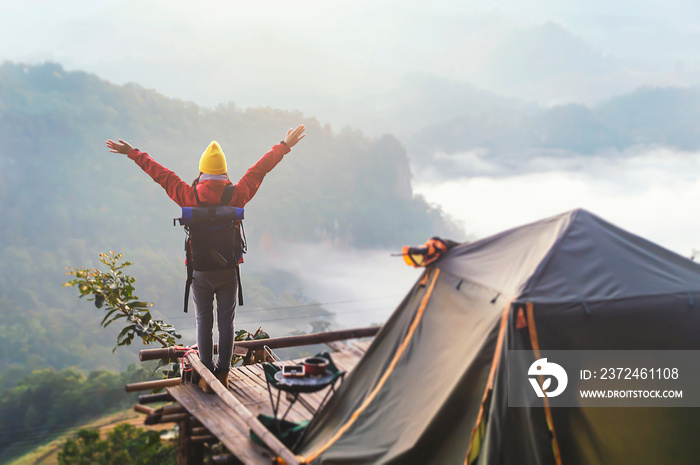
247	384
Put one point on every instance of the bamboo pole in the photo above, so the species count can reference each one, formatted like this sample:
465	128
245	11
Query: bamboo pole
173	408
155	398
161	354
143	409
198	439
258	428
174	418
155	384
308	339
273	343
200	431
223	459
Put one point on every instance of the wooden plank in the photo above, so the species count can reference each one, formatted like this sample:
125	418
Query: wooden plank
242	412
251	382
249	392
247	384
298	411
222	422
254	377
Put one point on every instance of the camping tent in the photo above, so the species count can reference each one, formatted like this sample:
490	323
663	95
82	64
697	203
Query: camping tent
432	387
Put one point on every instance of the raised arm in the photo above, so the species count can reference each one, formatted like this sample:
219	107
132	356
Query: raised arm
119	147
295	135
177	189
251	180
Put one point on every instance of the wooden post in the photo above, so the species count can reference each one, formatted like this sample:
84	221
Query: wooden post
196	449
182	444
258	428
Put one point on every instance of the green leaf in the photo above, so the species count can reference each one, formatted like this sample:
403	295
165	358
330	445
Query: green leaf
125	330
109	313
113	292
121	315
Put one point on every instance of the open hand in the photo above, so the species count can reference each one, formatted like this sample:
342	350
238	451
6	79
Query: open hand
119	147
295	135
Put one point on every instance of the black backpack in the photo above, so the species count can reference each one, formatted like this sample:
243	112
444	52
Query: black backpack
214	240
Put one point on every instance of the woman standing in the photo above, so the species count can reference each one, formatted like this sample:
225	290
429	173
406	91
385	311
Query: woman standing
208	189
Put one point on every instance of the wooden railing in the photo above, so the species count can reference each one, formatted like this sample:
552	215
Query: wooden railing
272	343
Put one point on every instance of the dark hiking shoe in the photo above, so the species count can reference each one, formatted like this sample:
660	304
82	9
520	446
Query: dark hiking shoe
204	386
222	376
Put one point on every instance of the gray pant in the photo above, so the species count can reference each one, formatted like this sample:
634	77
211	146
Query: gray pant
223	285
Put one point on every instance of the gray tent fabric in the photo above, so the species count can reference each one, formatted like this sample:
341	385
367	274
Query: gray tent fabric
569	257
424	388
436	371
595	260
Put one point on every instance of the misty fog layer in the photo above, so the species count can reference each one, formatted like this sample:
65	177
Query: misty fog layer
651	192
361	287
303	56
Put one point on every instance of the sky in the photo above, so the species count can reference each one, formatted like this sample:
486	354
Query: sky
310	55
322	58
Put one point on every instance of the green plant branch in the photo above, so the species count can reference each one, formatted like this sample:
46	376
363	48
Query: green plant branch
114	290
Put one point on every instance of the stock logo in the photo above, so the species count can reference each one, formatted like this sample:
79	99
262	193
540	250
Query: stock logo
547	371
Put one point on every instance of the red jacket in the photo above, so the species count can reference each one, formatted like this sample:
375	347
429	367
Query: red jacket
210	191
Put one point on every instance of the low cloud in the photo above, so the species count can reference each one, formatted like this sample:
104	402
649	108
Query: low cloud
361	287
652	192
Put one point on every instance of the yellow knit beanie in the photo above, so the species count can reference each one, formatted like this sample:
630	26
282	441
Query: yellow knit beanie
213	160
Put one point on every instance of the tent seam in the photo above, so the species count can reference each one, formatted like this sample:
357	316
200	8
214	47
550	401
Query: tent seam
368	400
492	372
532	330
548	257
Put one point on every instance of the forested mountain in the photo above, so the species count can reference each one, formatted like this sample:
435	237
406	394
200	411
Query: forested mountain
64	198
649	116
